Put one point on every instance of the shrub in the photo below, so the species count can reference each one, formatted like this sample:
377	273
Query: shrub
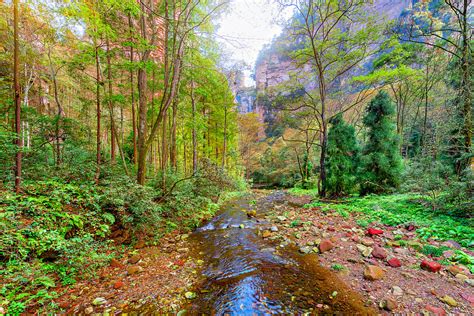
342	158
381	160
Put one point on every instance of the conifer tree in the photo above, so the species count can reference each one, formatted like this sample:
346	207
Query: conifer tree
381	160
343	158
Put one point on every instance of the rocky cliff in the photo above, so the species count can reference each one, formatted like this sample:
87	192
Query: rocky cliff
273	67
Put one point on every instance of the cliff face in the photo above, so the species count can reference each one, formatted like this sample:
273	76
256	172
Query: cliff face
274	68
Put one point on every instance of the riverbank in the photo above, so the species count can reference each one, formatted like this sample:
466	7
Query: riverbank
390	266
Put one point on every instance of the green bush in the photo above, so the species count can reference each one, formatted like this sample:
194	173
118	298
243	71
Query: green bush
342	158
381	161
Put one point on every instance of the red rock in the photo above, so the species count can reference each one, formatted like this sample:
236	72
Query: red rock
348	234
379	253
118	285
430	266
114	263
325	245
374	231
411	228
331	229
63	304
437	311
373	272
394	263
355	238
179	262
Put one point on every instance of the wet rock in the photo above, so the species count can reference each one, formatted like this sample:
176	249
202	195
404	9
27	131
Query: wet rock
134	270
379	253
430	266
367	242
274	229
305	249
325	245
364	250
374	231
251	213
134	259
241	226
373	272
449	300
190	295
266	234
394	263
437	311
118	285
397	291
388	304
99	301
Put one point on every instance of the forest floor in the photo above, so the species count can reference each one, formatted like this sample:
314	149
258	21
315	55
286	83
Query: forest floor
381	262
395	281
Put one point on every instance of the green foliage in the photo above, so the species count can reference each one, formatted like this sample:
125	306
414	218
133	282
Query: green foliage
338	267
402	209
381	160
342	158
56	232
440	186
433	251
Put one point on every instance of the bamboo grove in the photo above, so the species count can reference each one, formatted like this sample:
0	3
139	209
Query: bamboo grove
115	84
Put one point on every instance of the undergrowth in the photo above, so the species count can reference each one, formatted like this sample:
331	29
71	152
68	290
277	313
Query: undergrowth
399	209
58	232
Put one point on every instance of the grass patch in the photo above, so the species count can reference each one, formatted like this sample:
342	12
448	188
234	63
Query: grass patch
400	209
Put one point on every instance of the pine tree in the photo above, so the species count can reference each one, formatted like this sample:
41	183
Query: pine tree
381	160
342	159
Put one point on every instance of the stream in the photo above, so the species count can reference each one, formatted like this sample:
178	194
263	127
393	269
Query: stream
248	275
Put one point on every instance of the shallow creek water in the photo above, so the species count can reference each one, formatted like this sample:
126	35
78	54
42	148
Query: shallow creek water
248	275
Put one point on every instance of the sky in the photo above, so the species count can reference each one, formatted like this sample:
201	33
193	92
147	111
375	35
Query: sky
246	28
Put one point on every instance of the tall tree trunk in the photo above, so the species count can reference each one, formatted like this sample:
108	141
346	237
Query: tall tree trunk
97	94
16	87
142	106
164	150
224	142
60	108
113	136
194	133
132	94
173	151
466	81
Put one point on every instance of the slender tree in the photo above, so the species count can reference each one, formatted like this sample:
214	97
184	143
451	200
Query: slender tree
16	87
